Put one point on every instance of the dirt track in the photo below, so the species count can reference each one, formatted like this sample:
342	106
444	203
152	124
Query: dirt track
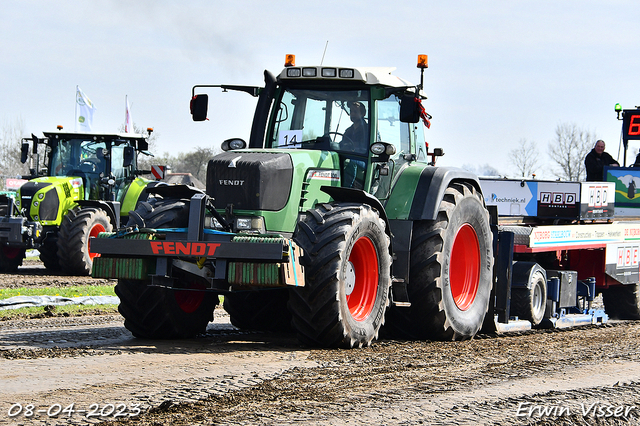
231	377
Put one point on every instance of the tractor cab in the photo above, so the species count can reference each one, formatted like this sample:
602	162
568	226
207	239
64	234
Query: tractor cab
103	164
366	118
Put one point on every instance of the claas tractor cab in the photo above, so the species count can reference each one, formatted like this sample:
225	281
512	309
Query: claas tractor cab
80	184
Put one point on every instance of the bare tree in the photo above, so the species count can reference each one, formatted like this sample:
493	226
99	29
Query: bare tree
525	157
194	162
10	142
568	149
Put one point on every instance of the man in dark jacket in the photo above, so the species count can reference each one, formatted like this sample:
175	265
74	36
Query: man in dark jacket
595	161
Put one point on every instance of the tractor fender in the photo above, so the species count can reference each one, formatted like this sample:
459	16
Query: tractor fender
112	208
432	183
133	192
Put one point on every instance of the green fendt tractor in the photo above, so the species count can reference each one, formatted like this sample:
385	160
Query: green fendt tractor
88	184
331	220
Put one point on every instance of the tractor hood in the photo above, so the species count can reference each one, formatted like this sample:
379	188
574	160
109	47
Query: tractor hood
41	199
273	183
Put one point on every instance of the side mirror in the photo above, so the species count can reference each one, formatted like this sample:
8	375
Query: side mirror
234	143
199	106
409	109
128	156
24	152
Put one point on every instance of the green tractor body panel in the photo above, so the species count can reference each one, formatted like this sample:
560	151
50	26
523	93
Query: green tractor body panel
130	195
47	199
277	183
401	197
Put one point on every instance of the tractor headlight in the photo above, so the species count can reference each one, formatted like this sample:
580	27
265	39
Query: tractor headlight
250	224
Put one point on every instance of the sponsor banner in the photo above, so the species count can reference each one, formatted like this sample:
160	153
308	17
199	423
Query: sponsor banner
597	234
13	184
597	200
626	181
512	197
558	199
622	261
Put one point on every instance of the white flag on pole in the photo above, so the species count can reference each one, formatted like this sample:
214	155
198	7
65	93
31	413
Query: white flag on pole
128	121
84	112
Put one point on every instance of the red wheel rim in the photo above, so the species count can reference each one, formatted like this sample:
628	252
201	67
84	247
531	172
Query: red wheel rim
364	260
93	233
11	252
190	300
464	275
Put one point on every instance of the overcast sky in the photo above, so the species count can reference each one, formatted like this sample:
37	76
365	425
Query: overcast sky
499	71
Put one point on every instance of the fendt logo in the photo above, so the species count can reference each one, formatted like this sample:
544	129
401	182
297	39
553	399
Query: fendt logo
558	198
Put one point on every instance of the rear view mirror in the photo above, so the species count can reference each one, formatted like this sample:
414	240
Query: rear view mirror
24	152
199	105
409	109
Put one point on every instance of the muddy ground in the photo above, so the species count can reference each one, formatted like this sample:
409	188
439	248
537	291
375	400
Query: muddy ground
91	370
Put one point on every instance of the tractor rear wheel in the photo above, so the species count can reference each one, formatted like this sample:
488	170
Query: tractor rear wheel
162	313
79	225
450	278
347	276
11	258
622	302
264	310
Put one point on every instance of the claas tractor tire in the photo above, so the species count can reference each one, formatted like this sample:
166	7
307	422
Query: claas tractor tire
79	225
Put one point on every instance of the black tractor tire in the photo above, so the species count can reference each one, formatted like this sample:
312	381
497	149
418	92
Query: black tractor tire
262	310
160	212
79	225
451	273
529	301
622	302
49	253
11	258
347	269
163	313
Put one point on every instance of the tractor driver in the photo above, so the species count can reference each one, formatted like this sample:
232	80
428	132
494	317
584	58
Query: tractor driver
357	135
355	139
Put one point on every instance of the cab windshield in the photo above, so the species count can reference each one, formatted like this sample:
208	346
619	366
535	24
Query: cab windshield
336	120
78	155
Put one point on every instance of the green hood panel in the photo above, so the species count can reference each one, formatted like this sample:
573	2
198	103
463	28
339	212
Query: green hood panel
47	199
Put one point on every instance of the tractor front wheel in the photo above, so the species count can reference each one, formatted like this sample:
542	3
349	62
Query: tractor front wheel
164	313
347	276
78	226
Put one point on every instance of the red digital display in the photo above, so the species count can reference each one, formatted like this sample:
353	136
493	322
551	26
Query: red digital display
631	124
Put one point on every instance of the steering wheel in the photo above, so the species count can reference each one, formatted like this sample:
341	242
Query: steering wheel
88	165
346	144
